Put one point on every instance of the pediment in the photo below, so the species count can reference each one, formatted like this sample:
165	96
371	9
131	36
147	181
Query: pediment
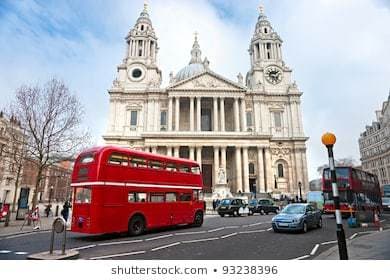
207	81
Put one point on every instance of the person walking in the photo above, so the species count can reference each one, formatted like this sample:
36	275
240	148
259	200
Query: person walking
65	210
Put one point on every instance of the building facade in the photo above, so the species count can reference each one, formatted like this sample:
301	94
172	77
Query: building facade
251	128
374	145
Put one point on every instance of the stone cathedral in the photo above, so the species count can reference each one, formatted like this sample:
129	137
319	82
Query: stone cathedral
251	128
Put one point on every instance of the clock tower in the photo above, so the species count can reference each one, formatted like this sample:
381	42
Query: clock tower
139	69
268	70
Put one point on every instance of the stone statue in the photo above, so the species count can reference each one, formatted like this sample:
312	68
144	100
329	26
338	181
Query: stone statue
221	176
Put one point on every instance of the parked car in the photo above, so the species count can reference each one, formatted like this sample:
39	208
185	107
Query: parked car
297	217
262	206
232	207
386	203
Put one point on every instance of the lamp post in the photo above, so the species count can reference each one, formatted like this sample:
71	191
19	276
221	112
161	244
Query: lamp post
329	139
300	191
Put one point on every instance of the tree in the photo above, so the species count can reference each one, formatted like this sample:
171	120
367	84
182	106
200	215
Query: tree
51	117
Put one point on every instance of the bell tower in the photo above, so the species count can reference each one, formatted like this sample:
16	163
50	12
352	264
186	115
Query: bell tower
139	69
265	51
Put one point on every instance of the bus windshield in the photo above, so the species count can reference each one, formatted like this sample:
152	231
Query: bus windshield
341	172
83	195
345	196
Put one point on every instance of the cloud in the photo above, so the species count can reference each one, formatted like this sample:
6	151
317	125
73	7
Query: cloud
337	49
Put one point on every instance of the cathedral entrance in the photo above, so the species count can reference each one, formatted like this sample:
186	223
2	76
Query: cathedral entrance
252	185
207	173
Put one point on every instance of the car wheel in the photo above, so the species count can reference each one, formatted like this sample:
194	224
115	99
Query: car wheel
275	229
136	225
266	213
198	219
304	227
222	215
277	211
250	213
235	213
319	225
262	212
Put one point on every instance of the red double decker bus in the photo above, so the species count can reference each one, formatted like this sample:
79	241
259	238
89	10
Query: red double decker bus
123	190
358	191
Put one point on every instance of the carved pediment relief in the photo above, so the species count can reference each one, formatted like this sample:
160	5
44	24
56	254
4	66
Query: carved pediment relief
207	81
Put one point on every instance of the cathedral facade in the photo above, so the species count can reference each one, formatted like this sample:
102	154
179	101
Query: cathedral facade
250	128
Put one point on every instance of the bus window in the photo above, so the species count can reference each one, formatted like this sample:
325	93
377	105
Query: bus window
185	197
86	159
118	159
184	169
138	162
157	197
195	169
136	197
83	195
171	166
170	197
156	164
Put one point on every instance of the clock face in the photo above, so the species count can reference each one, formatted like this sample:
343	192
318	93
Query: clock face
273	75
136	72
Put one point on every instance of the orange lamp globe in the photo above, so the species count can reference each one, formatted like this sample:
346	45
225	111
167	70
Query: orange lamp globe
328	139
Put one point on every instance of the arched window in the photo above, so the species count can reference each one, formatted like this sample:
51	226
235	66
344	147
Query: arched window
280	170
251	168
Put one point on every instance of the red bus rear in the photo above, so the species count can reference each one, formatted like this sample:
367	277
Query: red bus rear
123	190
358	190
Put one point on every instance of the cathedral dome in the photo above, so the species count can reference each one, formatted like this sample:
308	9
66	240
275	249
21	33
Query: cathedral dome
189	71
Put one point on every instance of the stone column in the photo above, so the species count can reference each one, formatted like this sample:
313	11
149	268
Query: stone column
223	158
215	114
176	151
216	164
236	115
199	155
245	169
154	150
243	115
192	152
191	113
147	149
260	170
268	171
222	112
169	151
169	113
177	113
238	170
198	113
156	115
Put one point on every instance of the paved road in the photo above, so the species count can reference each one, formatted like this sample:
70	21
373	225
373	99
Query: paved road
219	238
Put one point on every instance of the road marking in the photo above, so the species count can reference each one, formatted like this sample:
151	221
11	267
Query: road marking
216	229
117	255
232	227
229	235
255	224
24	234
120	242
252	231
21	253
190	232
353	236
329	242
159	237
382	220
200	240
302	257
314	249
166	246
84	247
268	229
5	251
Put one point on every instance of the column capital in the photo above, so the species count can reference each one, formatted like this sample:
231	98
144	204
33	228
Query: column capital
192	98
215	98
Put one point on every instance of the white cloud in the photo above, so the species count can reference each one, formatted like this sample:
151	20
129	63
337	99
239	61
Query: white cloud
337	49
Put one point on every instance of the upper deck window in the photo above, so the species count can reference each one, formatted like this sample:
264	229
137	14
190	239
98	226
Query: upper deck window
195	169
184	169
118	159
84	159
171	166
138	162
156	164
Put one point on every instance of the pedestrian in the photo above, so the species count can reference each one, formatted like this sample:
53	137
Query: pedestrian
214	204
217	202
65	210
48	210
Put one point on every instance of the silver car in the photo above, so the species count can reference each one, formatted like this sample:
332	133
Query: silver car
297	217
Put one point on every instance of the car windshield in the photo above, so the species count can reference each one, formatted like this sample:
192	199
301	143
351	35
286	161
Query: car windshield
385	200
225	202
294	209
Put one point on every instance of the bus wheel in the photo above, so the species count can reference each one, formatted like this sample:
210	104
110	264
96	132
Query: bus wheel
136	225
198	219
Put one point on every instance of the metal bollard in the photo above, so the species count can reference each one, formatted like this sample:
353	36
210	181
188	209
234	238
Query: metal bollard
7	218
59	226
57	208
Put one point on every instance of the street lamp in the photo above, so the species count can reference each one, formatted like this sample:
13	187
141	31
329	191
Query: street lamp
300	191
50	193
329	139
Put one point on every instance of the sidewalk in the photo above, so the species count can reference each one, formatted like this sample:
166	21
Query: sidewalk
374	246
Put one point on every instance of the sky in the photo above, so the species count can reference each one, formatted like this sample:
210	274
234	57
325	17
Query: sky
339	51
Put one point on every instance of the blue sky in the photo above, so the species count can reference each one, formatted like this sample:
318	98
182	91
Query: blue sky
338	50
